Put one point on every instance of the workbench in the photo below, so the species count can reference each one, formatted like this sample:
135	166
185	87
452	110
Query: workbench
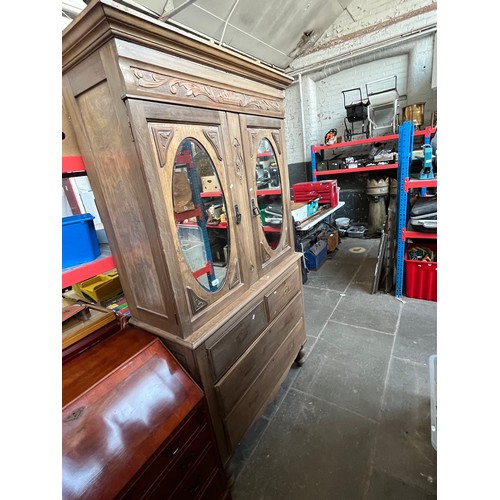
309	223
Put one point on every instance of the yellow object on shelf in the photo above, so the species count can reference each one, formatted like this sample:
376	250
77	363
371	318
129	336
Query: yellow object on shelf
87	321
99	288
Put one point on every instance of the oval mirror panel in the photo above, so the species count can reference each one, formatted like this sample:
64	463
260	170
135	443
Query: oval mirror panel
200	214
269	195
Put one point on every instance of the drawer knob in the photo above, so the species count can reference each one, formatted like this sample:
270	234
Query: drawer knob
175	450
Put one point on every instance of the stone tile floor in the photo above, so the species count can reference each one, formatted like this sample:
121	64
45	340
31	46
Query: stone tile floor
353	422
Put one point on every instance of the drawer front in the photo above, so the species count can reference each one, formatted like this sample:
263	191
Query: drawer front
233	344
265	387
186	461
176	451
217	489
195	482
242	375
278	298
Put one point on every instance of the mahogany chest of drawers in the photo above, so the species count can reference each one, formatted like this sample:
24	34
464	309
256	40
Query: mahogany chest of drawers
135	425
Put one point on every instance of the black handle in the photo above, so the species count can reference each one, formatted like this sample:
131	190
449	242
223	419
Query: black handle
238	215
255	209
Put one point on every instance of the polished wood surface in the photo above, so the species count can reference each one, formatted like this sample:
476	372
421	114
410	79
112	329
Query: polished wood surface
121	400
135	425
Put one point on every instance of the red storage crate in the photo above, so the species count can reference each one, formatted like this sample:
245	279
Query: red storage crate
326	191
421	277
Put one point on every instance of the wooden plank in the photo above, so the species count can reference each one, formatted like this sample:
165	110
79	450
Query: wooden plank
378	265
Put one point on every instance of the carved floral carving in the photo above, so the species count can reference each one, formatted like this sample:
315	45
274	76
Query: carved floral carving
162	139
238	162
149	79
213	137
253	139
197	303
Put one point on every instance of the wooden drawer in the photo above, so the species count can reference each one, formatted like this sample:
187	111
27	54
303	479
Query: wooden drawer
187	460
278	298
255	399
243	374
216	489
194	483
192	438
227	349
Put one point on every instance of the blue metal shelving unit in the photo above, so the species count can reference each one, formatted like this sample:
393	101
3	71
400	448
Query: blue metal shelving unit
405	150
405	153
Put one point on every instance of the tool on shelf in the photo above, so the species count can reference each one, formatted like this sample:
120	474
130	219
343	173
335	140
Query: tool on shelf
356	111
383	99
426	172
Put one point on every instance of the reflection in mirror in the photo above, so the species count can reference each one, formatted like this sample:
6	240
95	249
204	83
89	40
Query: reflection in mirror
200	214
269	195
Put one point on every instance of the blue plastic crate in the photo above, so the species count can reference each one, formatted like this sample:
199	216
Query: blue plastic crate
79	240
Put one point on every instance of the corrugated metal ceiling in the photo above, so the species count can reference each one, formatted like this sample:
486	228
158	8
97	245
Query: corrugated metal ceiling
270	31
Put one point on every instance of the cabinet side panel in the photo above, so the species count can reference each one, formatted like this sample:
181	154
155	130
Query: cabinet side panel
121	199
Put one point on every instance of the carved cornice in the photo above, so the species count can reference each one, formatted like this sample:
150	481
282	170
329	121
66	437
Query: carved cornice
198	91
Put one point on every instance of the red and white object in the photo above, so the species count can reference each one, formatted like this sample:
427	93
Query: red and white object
326	191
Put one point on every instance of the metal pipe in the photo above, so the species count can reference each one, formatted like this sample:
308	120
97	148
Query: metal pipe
166	15
363	51
227	21
304	145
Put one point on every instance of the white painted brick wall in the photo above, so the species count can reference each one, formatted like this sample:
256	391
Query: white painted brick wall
409	59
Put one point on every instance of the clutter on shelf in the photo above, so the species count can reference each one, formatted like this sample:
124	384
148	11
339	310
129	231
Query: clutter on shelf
423	254
421	271
423	215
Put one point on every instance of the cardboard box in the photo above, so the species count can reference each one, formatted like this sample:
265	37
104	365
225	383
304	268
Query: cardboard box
183	197
333	241
299	211
210	184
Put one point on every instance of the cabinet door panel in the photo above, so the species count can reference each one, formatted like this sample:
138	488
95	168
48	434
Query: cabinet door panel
268	191
186	162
